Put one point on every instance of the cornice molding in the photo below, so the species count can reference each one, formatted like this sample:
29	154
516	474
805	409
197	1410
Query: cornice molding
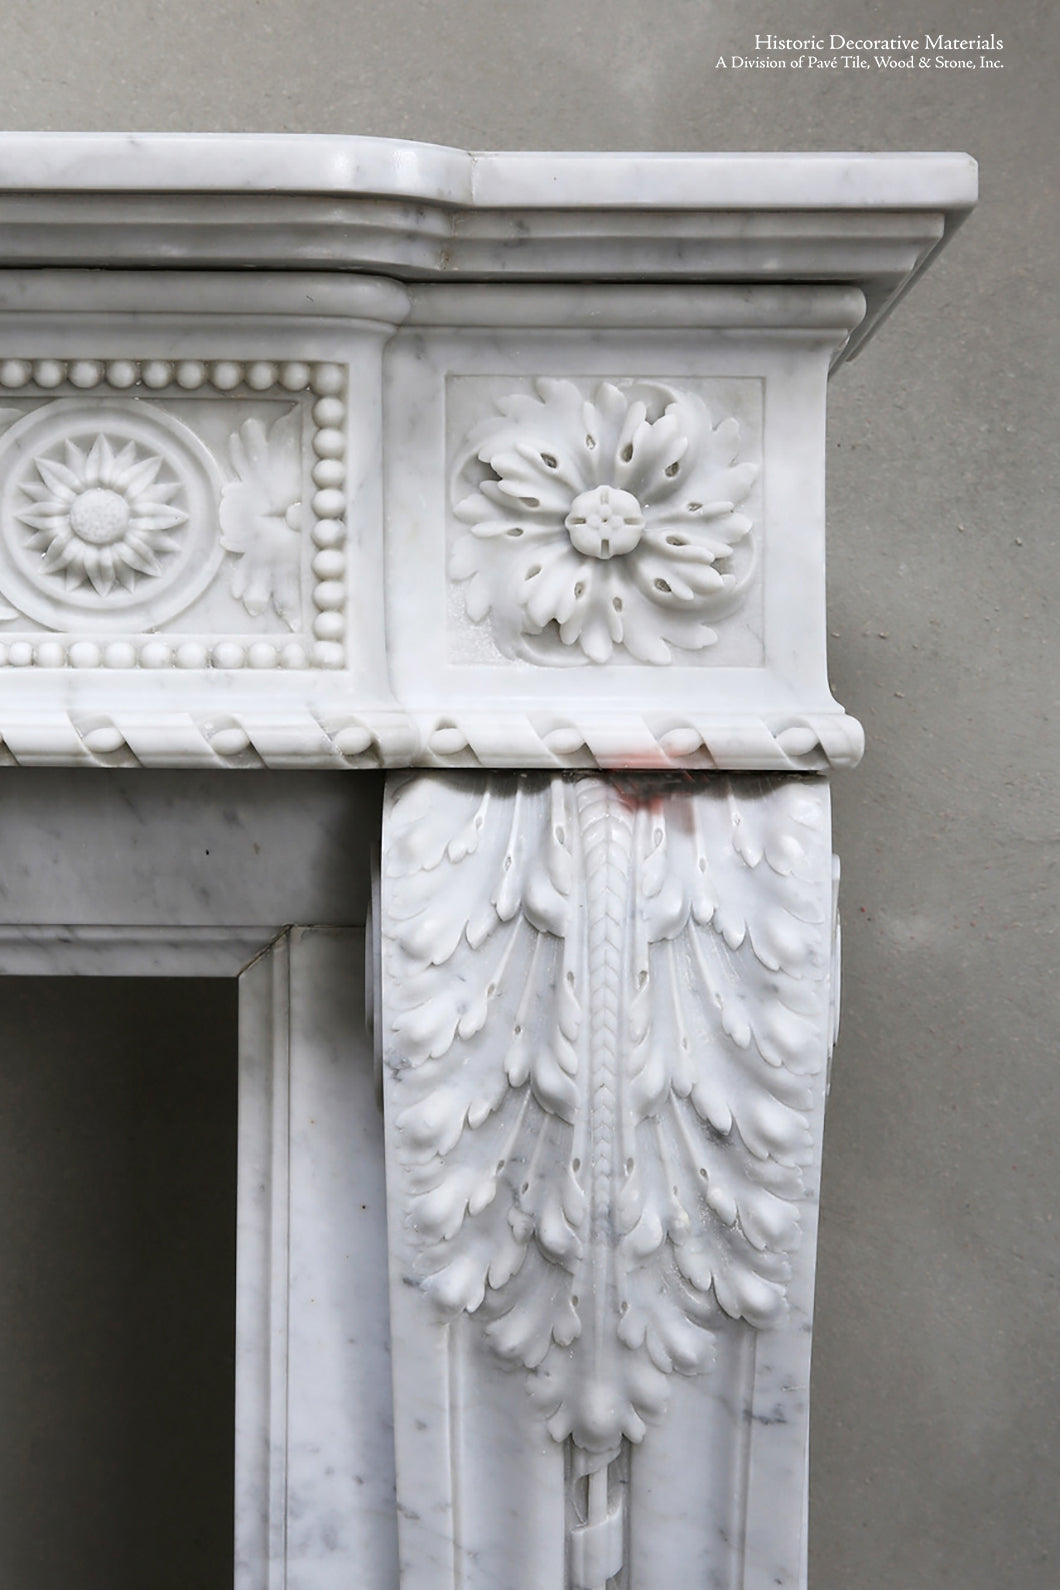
419	211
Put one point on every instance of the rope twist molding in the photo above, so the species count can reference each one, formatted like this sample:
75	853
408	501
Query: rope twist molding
398	739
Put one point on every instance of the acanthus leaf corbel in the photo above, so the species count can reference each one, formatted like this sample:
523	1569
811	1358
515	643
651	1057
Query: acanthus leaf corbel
604	1016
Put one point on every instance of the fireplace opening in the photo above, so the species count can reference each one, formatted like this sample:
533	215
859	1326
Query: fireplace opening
117	1298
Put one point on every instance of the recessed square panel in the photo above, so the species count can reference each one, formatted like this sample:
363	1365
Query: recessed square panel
595	520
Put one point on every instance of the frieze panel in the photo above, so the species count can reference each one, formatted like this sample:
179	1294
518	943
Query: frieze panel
172	513
566	537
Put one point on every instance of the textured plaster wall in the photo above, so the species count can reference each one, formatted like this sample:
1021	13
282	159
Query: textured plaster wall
935	1452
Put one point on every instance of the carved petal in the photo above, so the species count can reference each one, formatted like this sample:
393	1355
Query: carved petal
255	515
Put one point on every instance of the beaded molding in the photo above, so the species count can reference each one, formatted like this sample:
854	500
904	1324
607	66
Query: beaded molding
231	378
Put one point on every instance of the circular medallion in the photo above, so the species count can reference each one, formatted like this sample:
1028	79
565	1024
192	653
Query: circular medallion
109	515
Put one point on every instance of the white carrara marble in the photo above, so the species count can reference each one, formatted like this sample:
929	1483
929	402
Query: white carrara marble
314	1451
501	475
504	459
415	210
178	874
606	1023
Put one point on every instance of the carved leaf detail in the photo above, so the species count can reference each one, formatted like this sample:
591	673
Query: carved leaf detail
260	515
602	525
606	1004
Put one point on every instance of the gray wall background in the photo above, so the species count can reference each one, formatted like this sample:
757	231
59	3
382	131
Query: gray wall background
935	1450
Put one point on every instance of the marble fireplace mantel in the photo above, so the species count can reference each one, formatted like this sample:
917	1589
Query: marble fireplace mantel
502	474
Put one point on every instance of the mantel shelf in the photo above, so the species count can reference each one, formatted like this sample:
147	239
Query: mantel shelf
420	212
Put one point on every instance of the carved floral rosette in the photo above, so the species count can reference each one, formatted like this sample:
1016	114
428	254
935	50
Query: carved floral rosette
604	522
169	513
